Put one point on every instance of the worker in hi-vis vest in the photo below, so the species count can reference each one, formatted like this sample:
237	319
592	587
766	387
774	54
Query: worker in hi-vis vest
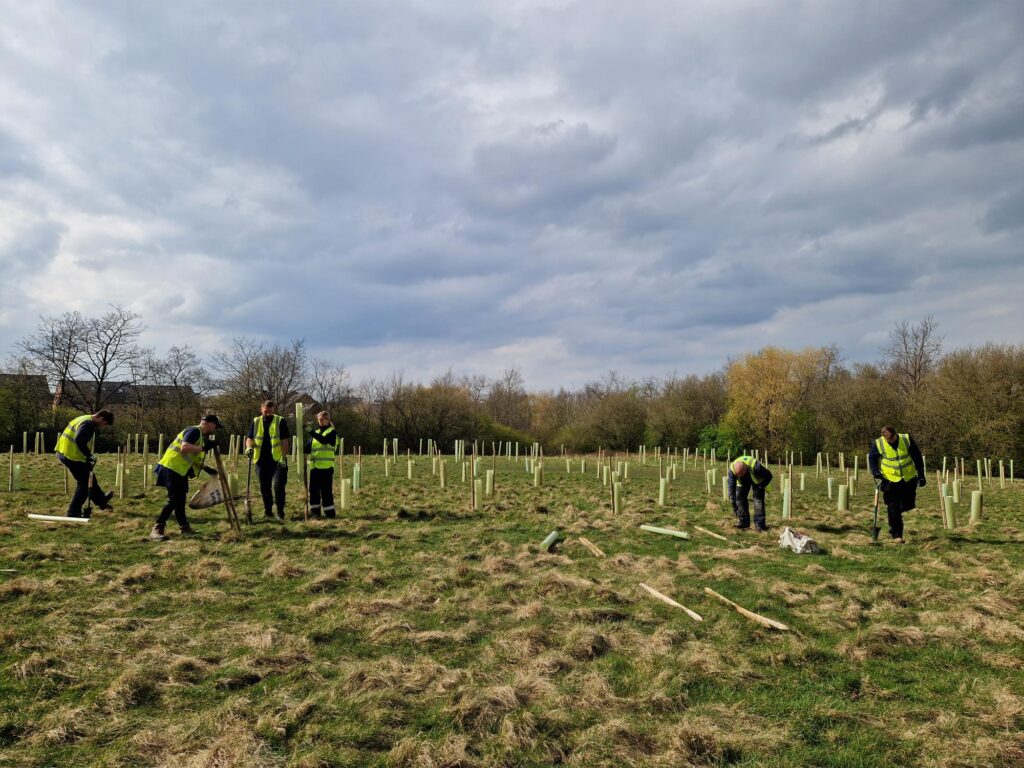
321	448
896	464
184	458
745	473
268	445
74	451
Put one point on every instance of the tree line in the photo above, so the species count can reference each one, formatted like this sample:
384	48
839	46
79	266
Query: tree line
965	402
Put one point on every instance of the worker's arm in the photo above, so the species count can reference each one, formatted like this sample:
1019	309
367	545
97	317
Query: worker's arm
83	436
192	442
732	488
874	459
918	459
764	473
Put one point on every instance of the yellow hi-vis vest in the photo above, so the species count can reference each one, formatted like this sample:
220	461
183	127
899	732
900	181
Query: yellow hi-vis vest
275	438
66	445
751	462
896	463
178	462
321	455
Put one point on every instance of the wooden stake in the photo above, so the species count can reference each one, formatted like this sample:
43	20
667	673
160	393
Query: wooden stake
756	617
710	533
669	601
591	546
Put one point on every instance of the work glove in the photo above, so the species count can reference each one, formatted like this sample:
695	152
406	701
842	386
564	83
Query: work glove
883	485
91	461
210	470
248	452
922	481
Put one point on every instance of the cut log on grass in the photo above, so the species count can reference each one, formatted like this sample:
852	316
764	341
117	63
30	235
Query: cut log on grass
665	531
710	533
550	541
669	601
764	621
59	519
591	546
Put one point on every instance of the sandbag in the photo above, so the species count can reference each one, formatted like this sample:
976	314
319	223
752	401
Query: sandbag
208	495
800	543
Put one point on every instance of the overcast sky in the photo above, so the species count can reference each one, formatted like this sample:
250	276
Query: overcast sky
566	187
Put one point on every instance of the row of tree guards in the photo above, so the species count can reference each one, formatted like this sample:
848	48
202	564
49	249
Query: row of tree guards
613	472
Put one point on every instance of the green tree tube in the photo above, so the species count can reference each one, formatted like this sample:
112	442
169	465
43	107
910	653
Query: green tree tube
725	489
1002	475
979	475
662	488
844	498
957	489
786	498
550	540
478	488
346	493
442	474
617	498
947	502
489	483
977	503
16	478
803	484
537	476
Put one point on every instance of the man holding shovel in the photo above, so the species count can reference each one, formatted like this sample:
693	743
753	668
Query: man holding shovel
74	450
270	460
183	459
896	464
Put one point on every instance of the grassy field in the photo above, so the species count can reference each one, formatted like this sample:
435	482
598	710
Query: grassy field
414	631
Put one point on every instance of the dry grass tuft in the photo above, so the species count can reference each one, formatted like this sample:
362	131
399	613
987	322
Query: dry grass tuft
283	568
329	580
235	746
134	576
207	571
584	642
419	752
483	708
134	688
880	640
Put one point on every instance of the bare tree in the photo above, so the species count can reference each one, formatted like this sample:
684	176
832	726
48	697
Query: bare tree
507	400
328	384
253	371
55	348
110	352
912	354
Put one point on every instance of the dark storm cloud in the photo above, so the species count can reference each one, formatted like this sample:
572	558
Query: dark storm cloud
564	187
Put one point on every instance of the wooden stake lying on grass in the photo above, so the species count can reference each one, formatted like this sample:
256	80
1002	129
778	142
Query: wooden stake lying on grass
59	519
710	533
591	546
762	620
665	531
669	601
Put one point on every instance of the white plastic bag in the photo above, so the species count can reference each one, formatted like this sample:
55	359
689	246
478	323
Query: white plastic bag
798	542
208	495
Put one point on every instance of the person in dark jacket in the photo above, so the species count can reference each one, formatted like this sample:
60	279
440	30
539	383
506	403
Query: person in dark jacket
268	445
896	463
745	473
183	459
74	451
321	448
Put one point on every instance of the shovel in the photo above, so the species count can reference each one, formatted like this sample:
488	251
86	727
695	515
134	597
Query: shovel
874	523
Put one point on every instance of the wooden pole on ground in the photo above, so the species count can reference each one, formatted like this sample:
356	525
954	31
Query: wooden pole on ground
764	621
669	601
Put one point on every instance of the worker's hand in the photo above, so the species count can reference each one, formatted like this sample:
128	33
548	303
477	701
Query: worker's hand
248	452
883	485
922	481
91	461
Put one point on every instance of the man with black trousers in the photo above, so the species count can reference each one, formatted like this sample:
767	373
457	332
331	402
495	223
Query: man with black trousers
896	463
183	459
322	447
74	450
745	473
268	444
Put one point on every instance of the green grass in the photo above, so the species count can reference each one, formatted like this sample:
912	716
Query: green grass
413	631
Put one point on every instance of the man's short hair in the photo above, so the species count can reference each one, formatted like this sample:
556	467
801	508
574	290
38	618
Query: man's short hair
107	416
267	404
888	430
